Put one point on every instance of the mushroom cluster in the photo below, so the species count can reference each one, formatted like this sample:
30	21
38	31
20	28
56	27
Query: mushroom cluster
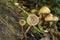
33	19
50	16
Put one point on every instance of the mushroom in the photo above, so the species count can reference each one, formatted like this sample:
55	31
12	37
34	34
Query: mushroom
49	17
44	9
22	22
32	20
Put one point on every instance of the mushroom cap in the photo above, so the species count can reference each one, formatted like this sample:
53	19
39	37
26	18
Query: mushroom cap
22	22
32	20
44	9
55	18
49	17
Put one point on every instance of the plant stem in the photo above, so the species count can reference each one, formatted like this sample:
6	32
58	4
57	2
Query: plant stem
23	10
28	29
51	33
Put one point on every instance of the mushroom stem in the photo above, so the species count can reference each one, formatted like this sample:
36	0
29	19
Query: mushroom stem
24	35
22	32
28	29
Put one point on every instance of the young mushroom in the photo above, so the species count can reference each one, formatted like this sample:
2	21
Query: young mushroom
32	20
22	23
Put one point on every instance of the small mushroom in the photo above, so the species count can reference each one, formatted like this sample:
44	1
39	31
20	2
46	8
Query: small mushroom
22	22
32	19
49	17
44	9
